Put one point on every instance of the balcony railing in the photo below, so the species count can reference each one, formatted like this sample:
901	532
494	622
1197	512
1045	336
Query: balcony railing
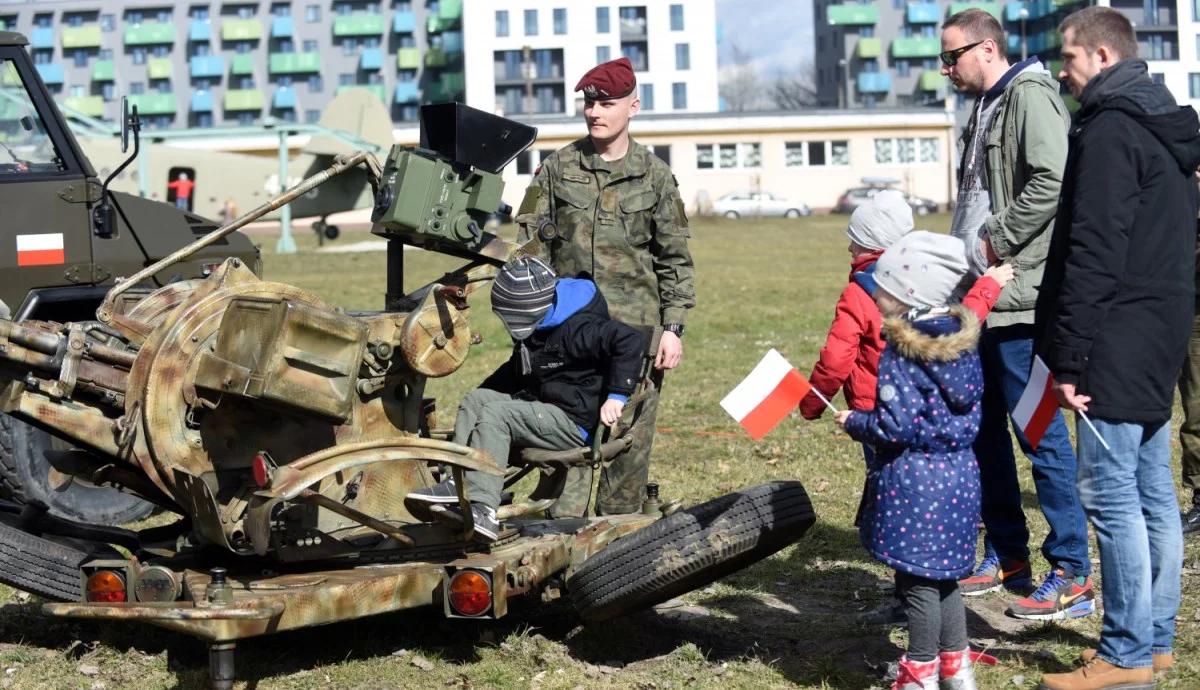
852	15
156	33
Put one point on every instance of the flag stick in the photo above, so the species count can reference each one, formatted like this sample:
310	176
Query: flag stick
824	400
1090	426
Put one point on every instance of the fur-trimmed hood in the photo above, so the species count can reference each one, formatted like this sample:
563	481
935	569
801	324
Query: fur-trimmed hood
935	338
937	343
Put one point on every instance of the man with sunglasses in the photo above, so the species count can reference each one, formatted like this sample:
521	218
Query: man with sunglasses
1014	149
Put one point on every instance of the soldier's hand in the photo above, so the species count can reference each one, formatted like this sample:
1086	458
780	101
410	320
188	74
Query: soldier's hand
611	410
670	351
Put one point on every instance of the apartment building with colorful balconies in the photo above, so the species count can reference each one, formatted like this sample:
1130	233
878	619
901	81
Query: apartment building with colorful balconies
524	57
202	64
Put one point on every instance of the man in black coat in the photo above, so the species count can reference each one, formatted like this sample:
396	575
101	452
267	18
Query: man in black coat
1114	315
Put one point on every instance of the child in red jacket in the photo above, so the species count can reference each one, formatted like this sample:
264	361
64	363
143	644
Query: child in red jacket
850	358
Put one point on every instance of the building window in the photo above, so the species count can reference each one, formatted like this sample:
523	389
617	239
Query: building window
245	12
903	68
647	97
1194	85
345	79
312	13
683	57
602	26
311	116
525	163
676	17
604	53
501	23
43	21
531	23
679	96
799	154
560	21
728	156
1158	78
349	46
108	90
636	52
314	83
80	57
108	22
136	87
139	55
907	150
281	9
161	51
663	151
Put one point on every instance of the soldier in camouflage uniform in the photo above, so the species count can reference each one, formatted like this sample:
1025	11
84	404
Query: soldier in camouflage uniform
620	219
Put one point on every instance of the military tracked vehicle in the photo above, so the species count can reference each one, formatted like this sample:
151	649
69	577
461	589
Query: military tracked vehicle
285	433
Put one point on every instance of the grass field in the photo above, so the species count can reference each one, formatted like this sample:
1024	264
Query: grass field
787	622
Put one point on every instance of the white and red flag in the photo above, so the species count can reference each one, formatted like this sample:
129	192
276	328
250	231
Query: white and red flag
1037	406
40	250
767	395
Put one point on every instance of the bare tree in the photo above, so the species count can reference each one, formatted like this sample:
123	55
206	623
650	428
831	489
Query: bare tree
739	83
793	90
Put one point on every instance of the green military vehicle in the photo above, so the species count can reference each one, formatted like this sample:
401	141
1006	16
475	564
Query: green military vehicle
284	433
60	252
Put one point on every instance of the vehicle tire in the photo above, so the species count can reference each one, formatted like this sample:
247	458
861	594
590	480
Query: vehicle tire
690	549
25	476
792	213
922	210
732	215
332	232
40	566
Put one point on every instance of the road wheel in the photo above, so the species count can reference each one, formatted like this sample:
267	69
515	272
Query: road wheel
25	475
922	210
732	215
792	213
690	549
332	232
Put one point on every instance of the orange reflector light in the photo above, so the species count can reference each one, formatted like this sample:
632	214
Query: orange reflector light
106	585
470	593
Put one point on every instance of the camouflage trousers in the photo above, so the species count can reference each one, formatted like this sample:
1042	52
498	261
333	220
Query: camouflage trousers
623	479
1189	431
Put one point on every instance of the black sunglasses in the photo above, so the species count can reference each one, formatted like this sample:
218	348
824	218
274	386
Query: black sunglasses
950	57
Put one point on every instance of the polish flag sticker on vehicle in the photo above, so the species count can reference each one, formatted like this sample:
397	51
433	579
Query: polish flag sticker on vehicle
40	250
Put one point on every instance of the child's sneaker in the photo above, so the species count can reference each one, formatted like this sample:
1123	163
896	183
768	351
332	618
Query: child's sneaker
487	527
995	573
956	669
916	675
1060	596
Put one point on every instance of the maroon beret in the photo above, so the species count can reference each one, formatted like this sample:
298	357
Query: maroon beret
612	79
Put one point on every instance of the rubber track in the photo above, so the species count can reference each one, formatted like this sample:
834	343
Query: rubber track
40	566
690	549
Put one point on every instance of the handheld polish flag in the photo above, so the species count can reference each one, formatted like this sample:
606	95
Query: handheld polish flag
1037	406
764	398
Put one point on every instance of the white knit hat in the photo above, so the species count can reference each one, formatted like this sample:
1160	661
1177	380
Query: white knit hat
881	221
922	268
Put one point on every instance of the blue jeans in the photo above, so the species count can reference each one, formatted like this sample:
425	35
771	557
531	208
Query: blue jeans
1006	355
1129	495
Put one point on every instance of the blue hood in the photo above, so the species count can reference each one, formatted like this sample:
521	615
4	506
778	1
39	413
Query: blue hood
571	295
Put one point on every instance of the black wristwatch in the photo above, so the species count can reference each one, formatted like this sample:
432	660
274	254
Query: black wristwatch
676	328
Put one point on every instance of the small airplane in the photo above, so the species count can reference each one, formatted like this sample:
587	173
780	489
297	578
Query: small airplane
222	185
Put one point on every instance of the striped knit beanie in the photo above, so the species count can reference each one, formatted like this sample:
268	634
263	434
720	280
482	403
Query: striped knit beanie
522	294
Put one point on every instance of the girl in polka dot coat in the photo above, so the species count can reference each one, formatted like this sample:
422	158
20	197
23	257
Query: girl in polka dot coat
921	505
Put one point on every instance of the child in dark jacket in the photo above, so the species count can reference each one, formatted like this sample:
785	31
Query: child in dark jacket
850	358
921	507
568	356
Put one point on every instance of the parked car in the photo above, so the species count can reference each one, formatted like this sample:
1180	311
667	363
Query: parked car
749	204
857	196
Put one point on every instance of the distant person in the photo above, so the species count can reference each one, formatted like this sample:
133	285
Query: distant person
920	511
1189	393
1114	316
572	366
621	221
182	187
228	211
1013	151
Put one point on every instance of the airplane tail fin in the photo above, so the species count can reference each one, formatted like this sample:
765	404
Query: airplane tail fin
355	112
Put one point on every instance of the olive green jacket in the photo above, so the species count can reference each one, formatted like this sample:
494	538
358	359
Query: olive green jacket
1026	150
622	223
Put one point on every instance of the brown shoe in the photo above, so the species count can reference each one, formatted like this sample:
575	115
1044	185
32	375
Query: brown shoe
1162	662
1098	674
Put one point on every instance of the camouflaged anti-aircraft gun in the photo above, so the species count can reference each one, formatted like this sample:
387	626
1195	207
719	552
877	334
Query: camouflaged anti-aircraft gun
285	433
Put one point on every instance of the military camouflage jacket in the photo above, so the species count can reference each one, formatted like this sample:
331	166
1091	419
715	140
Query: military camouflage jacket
621	222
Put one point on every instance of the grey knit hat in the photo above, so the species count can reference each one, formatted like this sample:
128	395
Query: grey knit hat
522	294
922	268
881	221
